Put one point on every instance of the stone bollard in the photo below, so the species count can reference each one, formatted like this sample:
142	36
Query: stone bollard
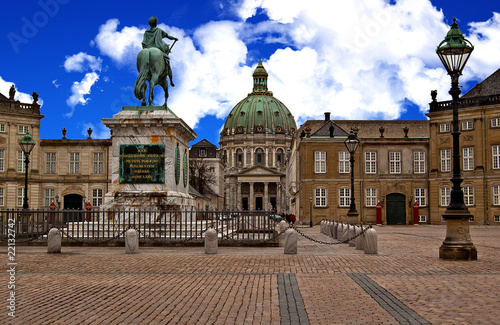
211	241
345	233
360	238
322	227
370	244
131	241
281	228
54	241
290	241
330	229
352	233
340	231
335	226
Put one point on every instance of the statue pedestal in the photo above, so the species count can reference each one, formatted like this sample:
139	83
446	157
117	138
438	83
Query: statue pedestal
149	163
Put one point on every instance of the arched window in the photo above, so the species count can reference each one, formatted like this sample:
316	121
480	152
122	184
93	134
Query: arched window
260	158
279	157
239	157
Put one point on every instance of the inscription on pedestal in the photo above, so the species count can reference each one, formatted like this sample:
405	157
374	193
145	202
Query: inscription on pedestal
142	163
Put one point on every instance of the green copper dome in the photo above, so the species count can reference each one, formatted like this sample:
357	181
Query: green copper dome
260	111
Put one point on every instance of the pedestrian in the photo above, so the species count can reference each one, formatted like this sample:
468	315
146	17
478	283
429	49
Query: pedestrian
292	219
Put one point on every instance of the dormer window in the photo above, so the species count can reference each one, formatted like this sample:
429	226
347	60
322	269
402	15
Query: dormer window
203	152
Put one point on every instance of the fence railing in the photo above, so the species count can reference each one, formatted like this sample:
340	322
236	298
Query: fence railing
167	226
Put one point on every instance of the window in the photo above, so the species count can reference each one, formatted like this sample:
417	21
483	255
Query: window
495	154
20	161
239	156
344	166
495	122
445	127
468	158
98	162
444	196
467	125
496	218
74	162
445	155
211	169
96	197
320	197
422	218
279	156
320	162
468	195
395	162
2	196
202	152
419	162
2	160
371	197
259	156
50	163
2	127
50	195
23	129
20	196
421	197
344	197
370	162
496	195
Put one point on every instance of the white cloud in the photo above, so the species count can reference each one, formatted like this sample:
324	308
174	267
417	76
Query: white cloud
358	59
81	62
20	96
99	131
79	90
54	82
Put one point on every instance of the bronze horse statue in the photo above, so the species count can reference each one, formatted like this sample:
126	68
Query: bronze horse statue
152	68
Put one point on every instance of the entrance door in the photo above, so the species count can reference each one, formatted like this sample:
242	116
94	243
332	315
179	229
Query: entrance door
258	203
396	209
73	202
244	203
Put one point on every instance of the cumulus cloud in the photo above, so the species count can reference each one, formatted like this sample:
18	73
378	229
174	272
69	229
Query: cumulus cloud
79	90
20	96
358	59
81	62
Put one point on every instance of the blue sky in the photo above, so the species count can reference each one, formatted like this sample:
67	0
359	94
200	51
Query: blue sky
360	59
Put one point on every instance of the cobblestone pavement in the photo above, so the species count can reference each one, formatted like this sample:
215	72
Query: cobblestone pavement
322	284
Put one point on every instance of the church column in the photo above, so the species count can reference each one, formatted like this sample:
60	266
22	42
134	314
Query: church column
238	197
251	198
278	197
266	195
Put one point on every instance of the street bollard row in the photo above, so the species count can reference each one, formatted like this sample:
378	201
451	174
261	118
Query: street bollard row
347	233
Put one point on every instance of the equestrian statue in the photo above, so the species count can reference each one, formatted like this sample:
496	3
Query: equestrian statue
153	63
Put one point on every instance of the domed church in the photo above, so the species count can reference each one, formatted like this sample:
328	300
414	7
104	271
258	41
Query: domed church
254	141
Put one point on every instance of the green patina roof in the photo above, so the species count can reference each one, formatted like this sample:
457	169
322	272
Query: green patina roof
260	111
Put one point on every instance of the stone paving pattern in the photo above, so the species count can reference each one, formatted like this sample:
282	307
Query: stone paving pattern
182	285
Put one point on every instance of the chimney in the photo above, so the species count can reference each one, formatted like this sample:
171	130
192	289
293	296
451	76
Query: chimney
327	116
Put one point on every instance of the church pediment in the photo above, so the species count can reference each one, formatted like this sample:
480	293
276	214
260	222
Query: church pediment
258	171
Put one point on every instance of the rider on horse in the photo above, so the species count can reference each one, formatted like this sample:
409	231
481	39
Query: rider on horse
153	37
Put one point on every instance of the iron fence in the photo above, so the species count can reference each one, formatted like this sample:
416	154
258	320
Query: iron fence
164	226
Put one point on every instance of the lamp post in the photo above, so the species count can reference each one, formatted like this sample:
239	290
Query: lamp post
27	144
454	52
311	211
351	144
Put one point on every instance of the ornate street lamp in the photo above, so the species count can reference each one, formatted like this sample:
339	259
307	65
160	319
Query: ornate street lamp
311	211
454	52
27	144
351	144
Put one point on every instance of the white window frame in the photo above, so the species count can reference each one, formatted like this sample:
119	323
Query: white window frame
202	152
395	162
370	197
444	196
496	194
370	162
20	196
344	197
468	158
320	162
20	161
419	162
50	162
97	197
49	196
495	122
2	160
23	129
467	125
420	195
98	162
74	162
2	196
344	162
320	197
445	160
495	156
496	218
444	127
422	218
468	195
2	127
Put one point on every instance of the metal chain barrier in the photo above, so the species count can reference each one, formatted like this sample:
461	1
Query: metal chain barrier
363	230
